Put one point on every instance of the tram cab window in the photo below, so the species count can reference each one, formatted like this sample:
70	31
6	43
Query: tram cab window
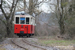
27	20
17	20
22	20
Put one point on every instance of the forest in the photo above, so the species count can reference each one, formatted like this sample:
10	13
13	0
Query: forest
58	20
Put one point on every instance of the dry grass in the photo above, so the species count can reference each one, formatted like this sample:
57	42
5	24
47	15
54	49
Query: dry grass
55	42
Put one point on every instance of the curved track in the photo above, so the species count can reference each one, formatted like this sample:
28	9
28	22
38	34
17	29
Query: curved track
14	42
29	43
23	43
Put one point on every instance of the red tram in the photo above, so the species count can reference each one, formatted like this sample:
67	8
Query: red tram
24	25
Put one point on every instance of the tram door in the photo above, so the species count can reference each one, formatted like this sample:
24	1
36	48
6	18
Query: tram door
23	24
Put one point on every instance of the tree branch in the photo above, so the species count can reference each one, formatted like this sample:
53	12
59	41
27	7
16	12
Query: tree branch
38	13
3	10
2	21
11	9
13	12
43	1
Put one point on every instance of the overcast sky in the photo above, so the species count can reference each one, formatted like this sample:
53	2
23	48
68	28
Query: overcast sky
45	7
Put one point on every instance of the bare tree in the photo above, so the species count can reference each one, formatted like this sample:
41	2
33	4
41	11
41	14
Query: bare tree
34	6
61	13
9	17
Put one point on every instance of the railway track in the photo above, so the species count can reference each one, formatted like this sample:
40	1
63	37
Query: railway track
29	43
14	42
23	43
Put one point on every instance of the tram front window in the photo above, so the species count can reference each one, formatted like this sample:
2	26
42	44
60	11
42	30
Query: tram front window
22	20
27	20
17	20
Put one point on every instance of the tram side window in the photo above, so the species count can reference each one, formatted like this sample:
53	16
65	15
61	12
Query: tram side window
27	20
17	20
22	20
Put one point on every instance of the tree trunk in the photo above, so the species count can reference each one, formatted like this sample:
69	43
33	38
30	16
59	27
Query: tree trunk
31	7
8	28
61	16
62	26
8	32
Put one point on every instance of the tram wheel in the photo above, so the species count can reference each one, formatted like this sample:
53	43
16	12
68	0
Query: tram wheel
28	35
20	36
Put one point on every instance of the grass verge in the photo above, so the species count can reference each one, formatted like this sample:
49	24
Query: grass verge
57	42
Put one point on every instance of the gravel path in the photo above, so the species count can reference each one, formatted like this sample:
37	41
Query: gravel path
8	45
25	45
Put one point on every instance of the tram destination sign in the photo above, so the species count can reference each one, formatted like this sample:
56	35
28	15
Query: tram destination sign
22	15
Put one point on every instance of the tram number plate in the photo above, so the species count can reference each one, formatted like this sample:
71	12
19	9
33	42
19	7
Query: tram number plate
22	29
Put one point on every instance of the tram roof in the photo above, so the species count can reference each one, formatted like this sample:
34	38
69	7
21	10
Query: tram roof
21	13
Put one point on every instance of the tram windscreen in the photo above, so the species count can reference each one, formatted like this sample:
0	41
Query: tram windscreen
17	20
22	20
27	20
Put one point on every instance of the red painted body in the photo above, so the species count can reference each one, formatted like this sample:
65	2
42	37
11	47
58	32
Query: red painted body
28	29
